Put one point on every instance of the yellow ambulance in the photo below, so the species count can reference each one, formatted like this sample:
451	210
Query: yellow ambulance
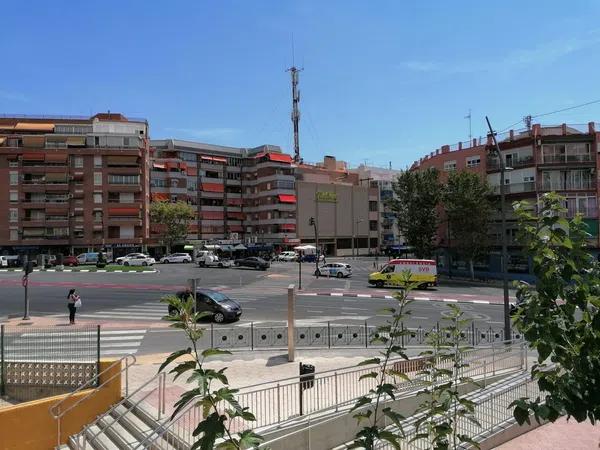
422	271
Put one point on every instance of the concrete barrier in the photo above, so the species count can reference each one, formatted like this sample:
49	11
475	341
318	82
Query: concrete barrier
30	425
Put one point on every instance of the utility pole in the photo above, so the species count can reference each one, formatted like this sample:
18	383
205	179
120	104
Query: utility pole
527	121
295	111
496	150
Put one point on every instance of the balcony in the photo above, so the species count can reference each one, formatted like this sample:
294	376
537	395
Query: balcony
516	188
585	185
566	159
494	163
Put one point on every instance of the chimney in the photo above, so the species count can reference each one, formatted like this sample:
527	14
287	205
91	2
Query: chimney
329	162
445	149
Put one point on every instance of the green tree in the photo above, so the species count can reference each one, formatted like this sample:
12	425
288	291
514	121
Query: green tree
211	389
418	195
560	317
173	219
466	200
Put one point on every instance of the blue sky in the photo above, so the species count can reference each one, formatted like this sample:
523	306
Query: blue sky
382	81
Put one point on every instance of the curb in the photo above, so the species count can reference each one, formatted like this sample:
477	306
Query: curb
84	271
389	297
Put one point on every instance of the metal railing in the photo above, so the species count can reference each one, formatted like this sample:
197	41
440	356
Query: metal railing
57	411
284	401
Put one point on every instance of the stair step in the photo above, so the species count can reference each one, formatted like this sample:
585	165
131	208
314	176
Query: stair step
101	441
118	433
133	423
62	447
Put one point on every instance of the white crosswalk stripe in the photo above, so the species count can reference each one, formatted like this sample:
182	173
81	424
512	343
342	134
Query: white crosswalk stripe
50	346
151	311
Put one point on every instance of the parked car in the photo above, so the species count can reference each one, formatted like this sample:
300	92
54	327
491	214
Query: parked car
121	259
339	270
10	261
310	258
70	260
287	256
140	260
176	258
252	261
222	307
209	259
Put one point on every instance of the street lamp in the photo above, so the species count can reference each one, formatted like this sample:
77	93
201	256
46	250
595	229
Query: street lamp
313	222
502	162
357	221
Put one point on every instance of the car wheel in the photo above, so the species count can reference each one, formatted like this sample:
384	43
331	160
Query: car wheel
237	264
422	286
220	265
340	275
144	263
125	263
185	261
317	273
166	261
219	317
119	262
379	284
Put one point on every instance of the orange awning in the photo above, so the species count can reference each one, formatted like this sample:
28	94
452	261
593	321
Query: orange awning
56	157
288	226
34	141
28	126
183	166
159	165
123	212
285	198
218	159
160	197
33	156
213	187
280	157
2	140
235	215
76	141
192	171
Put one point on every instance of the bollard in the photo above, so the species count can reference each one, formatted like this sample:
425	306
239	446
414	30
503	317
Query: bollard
291	324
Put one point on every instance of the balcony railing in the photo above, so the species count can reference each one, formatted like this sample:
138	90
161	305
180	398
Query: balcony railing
516	188
557	159
494	163
586	185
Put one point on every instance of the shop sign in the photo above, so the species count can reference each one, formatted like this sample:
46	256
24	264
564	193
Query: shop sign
326	196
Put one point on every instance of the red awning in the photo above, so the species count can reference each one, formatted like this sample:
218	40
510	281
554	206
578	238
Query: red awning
123	212
212	215
160	197
280	157
235	215
183	166
218	159
33	156
56	157
213	187
234	201
158	165
284	198
236	228
192	171
288	226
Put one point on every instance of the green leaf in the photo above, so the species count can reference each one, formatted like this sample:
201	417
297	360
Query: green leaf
173	356
183	367
211	428
362	401
368	375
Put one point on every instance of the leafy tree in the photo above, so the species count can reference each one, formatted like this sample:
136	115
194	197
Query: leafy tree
219	405
418	195
173	218
444	406
560	317
369	406
466	199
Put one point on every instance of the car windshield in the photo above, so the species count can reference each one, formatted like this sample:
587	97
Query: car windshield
218	297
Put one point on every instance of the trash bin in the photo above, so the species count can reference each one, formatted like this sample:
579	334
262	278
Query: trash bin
307	376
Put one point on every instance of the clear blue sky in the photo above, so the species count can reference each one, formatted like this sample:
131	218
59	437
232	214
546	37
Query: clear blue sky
382	81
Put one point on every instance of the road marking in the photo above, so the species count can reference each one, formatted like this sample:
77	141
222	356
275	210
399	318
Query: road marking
450	300
86	333
389	296
481	302
308	294
84	270
420	318
355	309
337	294
423	298
364	295
501	323
314	311
348	314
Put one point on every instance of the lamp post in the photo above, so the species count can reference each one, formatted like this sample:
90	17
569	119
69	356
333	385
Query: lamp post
313	222
502	162
357	221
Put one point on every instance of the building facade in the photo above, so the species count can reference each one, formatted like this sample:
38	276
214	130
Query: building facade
332	195
239	194
562	158
74	184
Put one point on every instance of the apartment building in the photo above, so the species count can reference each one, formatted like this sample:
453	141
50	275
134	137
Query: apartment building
384	220
560	158
239	194
73	183
332	194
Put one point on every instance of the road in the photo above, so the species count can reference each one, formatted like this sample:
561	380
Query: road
133	297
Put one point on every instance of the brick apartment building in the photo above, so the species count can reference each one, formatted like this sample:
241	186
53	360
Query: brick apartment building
240	195
73	184
562	158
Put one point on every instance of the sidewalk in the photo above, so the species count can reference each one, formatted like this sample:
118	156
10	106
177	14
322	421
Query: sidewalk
560	435
62	321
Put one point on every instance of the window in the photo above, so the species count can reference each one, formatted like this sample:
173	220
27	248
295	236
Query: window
187	156
158	183
13	215
124	179
372	225
14	196
473	161
14	234
97	160
450	166
125	142
78	162
97	178
373	206
528	179
14	178
97	197
13	164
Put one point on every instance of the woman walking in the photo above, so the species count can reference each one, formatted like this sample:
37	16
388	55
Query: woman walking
73	301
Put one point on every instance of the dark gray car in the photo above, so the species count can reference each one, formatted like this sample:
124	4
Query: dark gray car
252	261
222	307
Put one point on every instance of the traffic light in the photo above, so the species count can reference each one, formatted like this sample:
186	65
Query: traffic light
28	267
311	221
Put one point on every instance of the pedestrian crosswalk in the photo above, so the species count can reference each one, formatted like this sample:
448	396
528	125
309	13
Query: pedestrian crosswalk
151	311
73	346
